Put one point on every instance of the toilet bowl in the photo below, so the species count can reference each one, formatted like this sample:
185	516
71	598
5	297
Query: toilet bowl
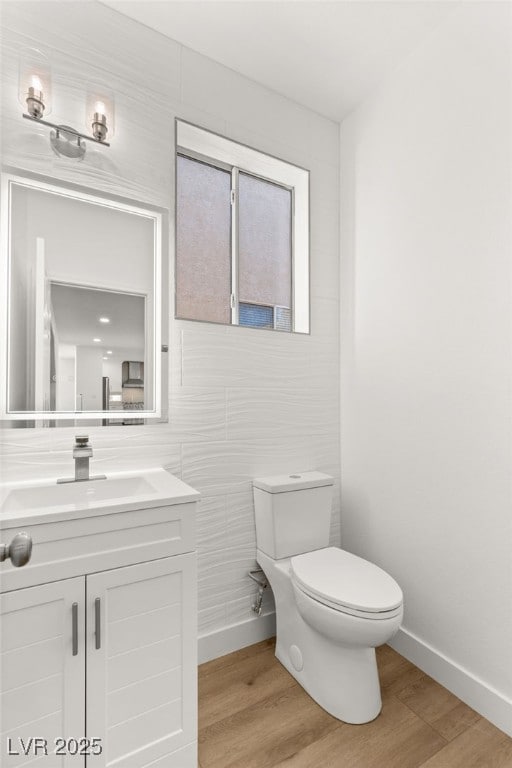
332	608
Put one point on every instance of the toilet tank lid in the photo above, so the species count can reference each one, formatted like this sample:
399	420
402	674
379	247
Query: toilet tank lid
297	481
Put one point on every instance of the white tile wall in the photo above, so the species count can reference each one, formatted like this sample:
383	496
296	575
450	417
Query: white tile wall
242	402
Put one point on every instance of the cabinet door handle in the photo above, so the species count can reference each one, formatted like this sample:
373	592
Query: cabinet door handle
19	550
97	621
74	624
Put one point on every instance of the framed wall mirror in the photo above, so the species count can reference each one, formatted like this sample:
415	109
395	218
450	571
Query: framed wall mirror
82	302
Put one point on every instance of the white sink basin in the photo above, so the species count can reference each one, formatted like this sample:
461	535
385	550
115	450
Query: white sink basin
83	493
118	492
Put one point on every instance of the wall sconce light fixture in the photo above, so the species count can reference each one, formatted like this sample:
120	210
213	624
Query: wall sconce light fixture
35	83
99	122
34	94
35	103
100	113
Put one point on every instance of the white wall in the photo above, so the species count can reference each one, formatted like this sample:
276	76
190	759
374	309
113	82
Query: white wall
243	402
66	377
90	244
426	349
89	372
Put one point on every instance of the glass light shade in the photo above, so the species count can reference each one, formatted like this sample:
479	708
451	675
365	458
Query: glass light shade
35	83
100	109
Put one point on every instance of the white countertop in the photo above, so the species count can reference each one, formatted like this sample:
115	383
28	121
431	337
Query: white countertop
44	501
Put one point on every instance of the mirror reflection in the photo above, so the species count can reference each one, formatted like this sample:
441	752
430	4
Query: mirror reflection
96	342
82	307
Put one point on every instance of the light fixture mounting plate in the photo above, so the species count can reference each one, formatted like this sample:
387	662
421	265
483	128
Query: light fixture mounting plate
66	141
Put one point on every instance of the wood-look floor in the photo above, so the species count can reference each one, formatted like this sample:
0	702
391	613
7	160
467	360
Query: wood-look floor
252	714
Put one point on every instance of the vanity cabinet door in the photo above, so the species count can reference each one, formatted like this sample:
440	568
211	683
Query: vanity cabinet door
141	662
42	662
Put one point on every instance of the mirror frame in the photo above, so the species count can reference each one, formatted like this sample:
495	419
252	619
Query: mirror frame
8	180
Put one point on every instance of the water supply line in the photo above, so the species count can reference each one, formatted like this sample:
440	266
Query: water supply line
261	580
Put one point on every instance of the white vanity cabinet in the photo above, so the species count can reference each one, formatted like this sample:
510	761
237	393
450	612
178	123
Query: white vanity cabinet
42	682
103	654
141	690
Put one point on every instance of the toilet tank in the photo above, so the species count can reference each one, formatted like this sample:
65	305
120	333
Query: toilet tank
293	513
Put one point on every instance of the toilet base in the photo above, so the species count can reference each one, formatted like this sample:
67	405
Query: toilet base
343	681
342	678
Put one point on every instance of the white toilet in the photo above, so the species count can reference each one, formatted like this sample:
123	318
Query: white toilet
332	608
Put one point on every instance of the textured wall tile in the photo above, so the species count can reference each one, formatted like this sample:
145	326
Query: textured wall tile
324	274
245	358
113	437
324	179
212	619
196	115
32	466
230	467
215	582
101	36
241	527
224	92
211	524
197	413
14	441
199	329
269	413
325	324
23	466
281	148
324	222
135	457
222	575
324	367
241	610
174	355
324	453
335	533
243	560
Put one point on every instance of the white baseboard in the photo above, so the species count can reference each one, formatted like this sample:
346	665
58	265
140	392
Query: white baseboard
474	692
229	639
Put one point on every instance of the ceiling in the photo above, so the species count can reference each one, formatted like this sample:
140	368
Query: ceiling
77	311
328	56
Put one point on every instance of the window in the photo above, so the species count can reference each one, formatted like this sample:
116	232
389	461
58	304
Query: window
242	234
203	279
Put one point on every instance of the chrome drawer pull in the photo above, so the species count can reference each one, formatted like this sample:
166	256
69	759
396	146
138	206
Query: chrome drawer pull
74	624
97	619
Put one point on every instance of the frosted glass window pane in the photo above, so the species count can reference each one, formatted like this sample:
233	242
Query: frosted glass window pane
265	245
203	263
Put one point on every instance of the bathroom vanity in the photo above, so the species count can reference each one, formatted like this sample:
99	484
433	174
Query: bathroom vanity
98	642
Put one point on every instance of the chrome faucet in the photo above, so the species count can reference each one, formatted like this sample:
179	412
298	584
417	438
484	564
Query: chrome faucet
82	453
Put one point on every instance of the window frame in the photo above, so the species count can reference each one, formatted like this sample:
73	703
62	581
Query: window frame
225	154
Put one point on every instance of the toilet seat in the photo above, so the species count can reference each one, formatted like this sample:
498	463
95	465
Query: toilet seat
346	583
